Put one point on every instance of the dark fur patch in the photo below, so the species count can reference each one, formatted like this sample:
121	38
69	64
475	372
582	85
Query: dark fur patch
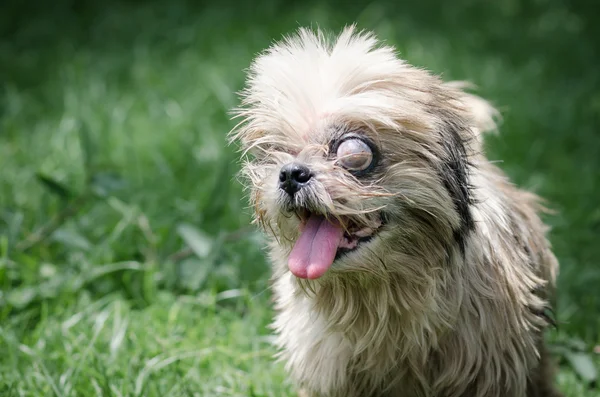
546	312
453	172
541	379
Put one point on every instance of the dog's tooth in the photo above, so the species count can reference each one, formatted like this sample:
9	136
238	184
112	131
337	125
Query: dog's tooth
364	232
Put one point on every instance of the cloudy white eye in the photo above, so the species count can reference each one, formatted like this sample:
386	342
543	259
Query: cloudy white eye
354	155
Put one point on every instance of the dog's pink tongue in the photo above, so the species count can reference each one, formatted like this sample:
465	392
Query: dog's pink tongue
316	247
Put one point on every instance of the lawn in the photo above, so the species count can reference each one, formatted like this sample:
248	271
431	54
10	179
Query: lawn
127	267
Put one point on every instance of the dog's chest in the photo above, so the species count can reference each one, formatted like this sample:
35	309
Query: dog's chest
322	358
328	365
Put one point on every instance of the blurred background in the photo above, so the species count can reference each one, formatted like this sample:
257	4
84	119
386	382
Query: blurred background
127	266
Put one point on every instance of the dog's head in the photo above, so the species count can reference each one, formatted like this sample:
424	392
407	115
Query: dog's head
353	155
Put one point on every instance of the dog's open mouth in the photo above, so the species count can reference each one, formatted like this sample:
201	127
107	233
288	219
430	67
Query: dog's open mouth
323	239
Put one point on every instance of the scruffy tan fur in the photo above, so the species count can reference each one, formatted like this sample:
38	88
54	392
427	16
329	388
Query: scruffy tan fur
448	298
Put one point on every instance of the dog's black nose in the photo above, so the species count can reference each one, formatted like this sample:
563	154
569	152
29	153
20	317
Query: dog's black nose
293	177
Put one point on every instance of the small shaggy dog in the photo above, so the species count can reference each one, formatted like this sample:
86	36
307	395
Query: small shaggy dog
404	263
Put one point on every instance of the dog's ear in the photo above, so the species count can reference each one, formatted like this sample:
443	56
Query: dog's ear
464	122
483	116
462	136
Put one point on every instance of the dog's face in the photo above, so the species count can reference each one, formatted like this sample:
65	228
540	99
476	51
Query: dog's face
354	156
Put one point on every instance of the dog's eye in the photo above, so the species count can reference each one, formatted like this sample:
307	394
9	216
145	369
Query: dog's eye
354	155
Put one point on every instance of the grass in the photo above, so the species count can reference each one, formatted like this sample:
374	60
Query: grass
126	267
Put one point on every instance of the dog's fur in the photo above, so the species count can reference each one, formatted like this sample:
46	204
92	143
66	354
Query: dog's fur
449	298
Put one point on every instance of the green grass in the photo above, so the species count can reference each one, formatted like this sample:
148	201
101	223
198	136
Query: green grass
122	110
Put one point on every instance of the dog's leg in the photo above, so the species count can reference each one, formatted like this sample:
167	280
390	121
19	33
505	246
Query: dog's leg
302	393
305	393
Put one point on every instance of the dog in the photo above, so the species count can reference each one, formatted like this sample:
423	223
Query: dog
404	262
